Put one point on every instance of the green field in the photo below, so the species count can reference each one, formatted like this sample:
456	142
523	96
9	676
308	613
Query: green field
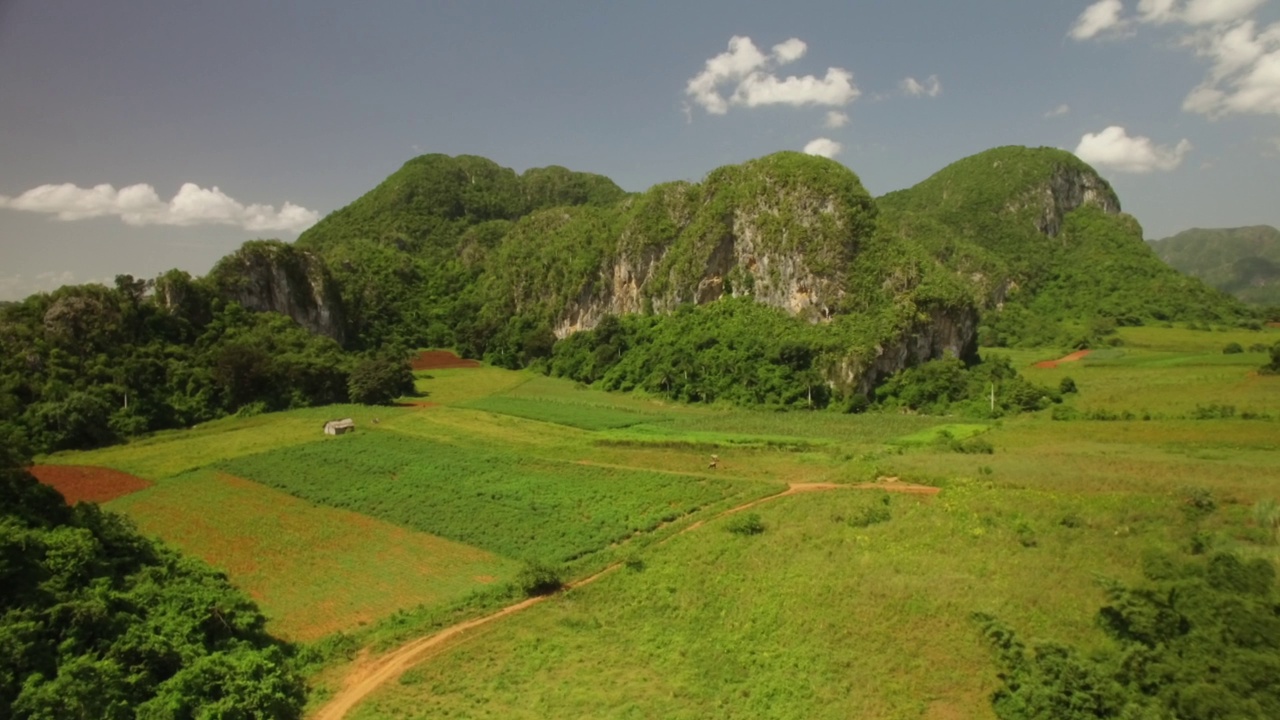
824	614
515	506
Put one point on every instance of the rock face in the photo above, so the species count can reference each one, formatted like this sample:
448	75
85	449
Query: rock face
778	231
1067	189
271	276
952	332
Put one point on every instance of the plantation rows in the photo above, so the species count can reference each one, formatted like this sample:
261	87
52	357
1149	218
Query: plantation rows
515	506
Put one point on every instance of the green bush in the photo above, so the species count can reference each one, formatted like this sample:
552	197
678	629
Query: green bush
745	524
973	446
1067	386
538	578
1232	348
872	514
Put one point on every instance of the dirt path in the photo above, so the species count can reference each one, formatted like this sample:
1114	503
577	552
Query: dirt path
368	676
1050	364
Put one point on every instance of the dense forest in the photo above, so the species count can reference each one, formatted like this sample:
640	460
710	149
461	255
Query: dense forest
1242	261
98	622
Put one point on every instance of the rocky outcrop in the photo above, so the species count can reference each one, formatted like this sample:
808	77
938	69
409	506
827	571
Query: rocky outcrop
272	276
754	231
1066	189
943	332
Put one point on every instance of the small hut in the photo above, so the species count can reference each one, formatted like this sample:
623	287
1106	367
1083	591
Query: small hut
339	427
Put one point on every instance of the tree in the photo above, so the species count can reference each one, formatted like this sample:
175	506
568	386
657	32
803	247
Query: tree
379	381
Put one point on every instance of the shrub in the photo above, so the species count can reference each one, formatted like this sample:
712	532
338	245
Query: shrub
538	578
973	446
1197	503
1257	348
1026	535
748	524
1232	348
872	514
1067	386
1071	520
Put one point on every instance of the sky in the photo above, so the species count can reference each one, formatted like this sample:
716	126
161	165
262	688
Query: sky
142	135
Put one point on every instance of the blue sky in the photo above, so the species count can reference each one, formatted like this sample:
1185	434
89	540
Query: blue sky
291	110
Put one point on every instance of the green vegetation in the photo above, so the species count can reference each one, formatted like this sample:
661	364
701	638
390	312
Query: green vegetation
1242	261
100	623
513	505
1195	640
586	417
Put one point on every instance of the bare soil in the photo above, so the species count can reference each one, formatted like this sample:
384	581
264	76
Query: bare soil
83	483
1050	364
442	360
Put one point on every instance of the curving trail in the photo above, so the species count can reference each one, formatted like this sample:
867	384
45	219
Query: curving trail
1073	357
366	678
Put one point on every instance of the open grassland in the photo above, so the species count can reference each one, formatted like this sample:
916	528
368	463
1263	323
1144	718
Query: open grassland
313	570
815	618
173	452
516	506
585	417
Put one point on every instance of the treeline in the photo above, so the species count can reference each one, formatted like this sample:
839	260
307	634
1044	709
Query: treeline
98	622
90	365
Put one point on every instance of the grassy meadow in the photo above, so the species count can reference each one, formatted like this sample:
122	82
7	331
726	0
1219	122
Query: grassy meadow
851	603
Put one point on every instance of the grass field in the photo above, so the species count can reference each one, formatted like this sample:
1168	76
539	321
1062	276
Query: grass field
516	506
824	614
313	570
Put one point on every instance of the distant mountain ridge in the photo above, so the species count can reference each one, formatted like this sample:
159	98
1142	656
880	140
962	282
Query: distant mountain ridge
1243	261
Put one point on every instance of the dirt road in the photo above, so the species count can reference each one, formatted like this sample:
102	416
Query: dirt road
369	675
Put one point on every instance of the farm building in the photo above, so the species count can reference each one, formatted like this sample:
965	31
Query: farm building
339	427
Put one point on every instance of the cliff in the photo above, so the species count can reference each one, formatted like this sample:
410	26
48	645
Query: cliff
272	276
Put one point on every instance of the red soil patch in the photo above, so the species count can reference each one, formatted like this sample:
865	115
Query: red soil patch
79	483
441	360
1050	364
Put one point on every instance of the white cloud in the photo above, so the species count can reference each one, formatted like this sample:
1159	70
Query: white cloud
141	205
789	51
824	147
1100	17
836	119
1115	149
749	72
1059	111
931	87
1245	73
1244	59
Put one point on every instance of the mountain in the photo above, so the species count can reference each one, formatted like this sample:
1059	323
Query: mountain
459	251
1242	261
1041	230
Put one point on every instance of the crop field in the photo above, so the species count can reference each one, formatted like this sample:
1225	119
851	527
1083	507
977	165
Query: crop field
88	484
585	417
515	506
848	604
313	570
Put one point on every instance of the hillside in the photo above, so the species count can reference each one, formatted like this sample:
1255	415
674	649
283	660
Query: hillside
1040	230
1243	261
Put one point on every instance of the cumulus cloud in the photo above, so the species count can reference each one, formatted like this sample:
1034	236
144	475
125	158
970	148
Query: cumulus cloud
824	147
750	75
1059	111
1243	57
141	205
1101	17
836	119
931	87
1115	149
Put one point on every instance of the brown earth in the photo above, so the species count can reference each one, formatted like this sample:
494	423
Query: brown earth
1050	364
441	360
83	483
369	674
